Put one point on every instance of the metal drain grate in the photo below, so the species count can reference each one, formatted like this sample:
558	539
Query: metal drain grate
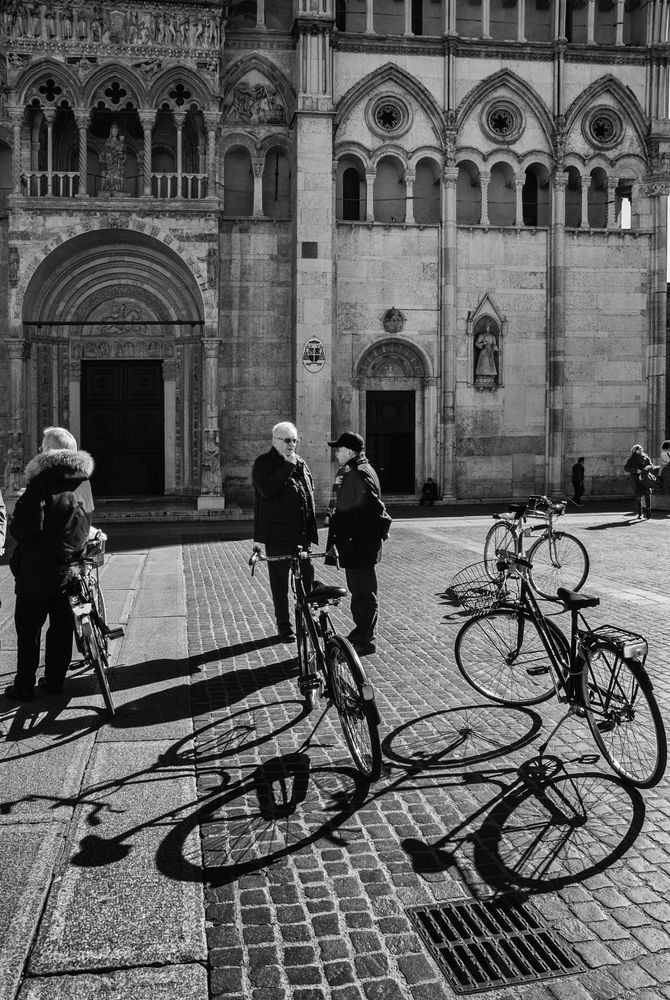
483	944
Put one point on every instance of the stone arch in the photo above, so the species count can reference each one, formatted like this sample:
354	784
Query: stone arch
525	94
264	67
159	92
381	77
94	87
28	82
623	96
395	366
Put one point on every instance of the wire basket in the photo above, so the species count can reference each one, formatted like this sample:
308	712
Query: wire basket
474	589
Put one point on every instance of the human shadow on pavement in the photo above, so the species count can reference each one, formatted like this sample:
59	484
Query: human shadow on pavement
611	524
543	828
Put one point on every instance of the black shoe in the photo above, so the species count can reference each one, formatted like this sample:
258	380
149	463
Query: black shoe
48	688
364	648
15	694
286	634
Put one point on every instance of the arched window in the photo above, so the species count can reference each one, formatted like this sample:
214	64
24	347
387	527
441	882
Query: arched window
426	193
598	199
605	22
6	178
468	195
389	191
502	195
351	195
535	196
624	204
417	17
238	183
277	185
573	199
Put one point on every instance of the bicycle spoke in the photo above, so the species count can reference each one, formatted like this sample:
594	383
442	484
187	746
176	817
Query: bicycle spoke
355	705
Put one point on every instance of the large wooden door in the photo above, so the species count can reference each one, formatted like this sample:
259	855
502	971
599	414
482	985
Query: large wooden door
122	425
390	437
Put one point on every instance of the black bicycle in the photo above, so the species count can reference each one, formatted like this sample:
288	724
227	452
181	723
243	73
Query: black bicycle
91	632
513	654
328	666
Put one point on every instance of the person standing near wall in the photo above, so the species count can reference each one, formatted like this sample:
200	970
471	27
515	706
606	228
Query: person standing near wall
642	476
578	481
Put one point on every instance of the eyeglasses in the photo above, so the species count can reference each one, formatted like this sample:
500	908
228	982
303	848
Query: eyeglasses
287	440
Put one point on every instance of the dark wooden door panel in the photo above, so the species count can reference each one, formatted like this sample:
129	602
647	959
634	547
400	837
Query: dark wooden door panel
122	422
391	439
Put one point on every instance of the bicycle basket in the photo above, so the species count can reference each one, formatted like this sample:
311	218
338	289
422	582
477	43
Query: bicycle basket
631	645
94	550
475	590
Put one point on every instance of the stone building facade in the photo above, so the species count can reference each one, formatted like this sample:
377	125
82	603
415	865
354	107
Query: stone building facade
439	222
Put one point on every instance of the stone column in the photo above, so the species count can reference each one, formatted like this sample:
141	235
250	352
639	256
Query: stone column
16	116
408	17
179	119
560	20
657	351
211	122
369	17
260	13
518	221
586	184
521	21
409	197
484	179
314	225
612	185
370	195
258	164
450	17
591	22
82	118
147	120
170	408
211	492
49	116
446	448
620	4
555	444
486	18
19	352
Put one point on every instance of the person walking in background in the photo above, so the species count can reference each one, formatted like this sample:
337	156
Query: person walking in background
357	525
664	466
50	523
428	493
578	481
284	515
642	478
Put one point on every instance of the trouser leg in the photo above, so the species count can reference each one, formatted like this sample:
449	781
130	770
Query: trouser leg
58	642
30	615
278	572
362	584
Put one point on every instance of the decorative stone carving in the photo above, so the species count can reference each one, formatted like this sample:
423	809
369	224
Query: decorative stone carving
313	355
486	346
256	103
123	319
211	464
212	268
13	267
113	162
393	320
12	479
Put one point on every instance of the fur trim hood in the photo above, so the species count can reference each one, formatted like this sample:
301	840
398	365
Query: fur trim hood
68	464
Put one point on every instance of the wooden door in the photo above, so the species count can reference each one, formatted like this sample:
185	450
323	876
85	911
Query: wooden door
122	426
390	437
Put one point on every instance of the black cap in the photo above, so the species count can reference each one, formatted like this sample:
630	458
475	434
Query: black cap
348	440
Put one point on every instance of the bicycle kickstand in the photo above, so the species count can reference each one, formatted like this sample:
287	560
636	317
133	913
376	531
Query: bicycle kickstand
306	742
572	710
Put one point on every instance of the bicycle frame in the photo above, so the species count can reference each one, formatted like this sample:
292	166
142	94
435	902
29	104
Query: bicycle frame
542	507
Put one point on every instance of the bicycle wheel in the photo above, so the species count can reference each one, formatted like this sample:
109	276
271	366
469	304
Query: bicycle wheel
501	655
561	563
308	670
623	716
98	598
96	656
499	537
355	703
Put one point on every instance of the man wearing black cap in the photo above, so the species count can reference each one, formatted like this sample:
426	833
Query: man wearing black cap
358	523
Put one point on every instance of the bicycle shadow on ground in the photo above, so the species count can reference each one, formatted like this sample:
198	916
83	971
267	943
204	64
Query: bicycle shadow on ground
544	828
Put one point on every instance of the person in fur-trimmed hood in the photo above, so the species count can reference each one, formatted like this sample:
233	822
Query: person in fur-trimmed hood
51	522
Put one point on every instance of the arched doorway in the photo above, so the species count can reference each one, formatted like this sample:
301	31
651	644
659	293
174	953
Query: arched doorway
113	321
397	412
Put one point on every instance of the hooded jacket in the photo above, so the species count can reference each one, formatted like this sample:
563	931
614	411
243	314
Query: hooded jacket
51	520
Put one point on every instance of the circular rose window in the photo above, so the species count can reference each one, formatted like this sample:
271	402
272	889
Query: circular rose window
502	122
603	127
388	116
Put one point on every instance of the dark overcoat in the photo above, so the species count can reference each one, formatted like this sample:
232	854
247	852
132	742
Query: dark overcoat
284	502
43	522
360	522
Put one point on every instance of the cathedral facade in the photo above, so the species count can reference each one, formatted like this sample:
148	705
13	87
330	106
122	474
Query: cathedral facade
441	223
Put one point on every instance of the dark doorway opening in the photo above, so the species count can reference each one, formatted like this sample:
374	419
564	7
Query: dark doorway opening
122	425
390	439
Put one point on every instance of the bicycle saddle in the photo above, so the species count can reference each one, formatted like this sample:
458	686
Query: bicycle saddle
320	593
574	601
518	508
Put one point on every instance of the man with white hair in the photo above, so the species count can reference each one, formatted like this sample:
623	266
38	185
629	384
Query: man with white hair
284	515
51	522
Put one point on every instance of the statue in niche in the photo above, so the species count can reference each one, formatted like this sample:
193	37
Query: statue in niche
211	464
13	481
486	345
113	161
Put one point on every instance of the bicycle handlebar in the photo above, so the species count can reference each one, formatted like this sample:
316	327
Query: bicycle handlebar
298	553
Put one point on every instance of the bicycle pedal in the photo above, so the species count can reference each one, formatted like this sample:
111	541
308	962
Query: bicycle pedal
537	671
309	683
605	727
115	633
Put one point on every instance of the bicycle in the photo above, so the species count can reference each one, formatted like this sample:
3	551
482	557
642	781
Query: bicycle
558	558
514	655
328	666
91	632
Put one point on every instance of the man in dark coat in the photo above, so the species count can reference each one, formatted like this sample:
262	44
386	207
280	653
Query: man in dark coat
51	522
284	515
358	524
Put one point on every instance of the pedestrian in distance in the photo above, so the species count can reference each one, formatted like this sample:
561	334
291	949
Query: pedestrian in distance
664	466
358	523
428	493
643	475
51	523
578	481
284	516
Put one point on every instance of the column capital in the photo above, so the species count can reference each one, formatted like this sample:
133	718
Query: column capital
16	112
212	120
19	350
258	164
450	174
82	116
179	118
147	116
49	115
211	346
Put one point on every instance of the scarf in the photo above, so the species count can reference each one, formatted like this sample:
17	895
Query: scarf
341	473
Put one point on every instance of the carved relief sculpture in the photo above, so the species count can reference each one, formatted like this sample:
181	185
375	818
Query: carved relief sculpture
486	345
113	162
211	464
393	320
258	103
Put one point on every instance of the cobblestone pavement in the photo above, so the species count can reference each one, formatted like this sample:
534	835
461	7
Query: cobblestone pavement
309	873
